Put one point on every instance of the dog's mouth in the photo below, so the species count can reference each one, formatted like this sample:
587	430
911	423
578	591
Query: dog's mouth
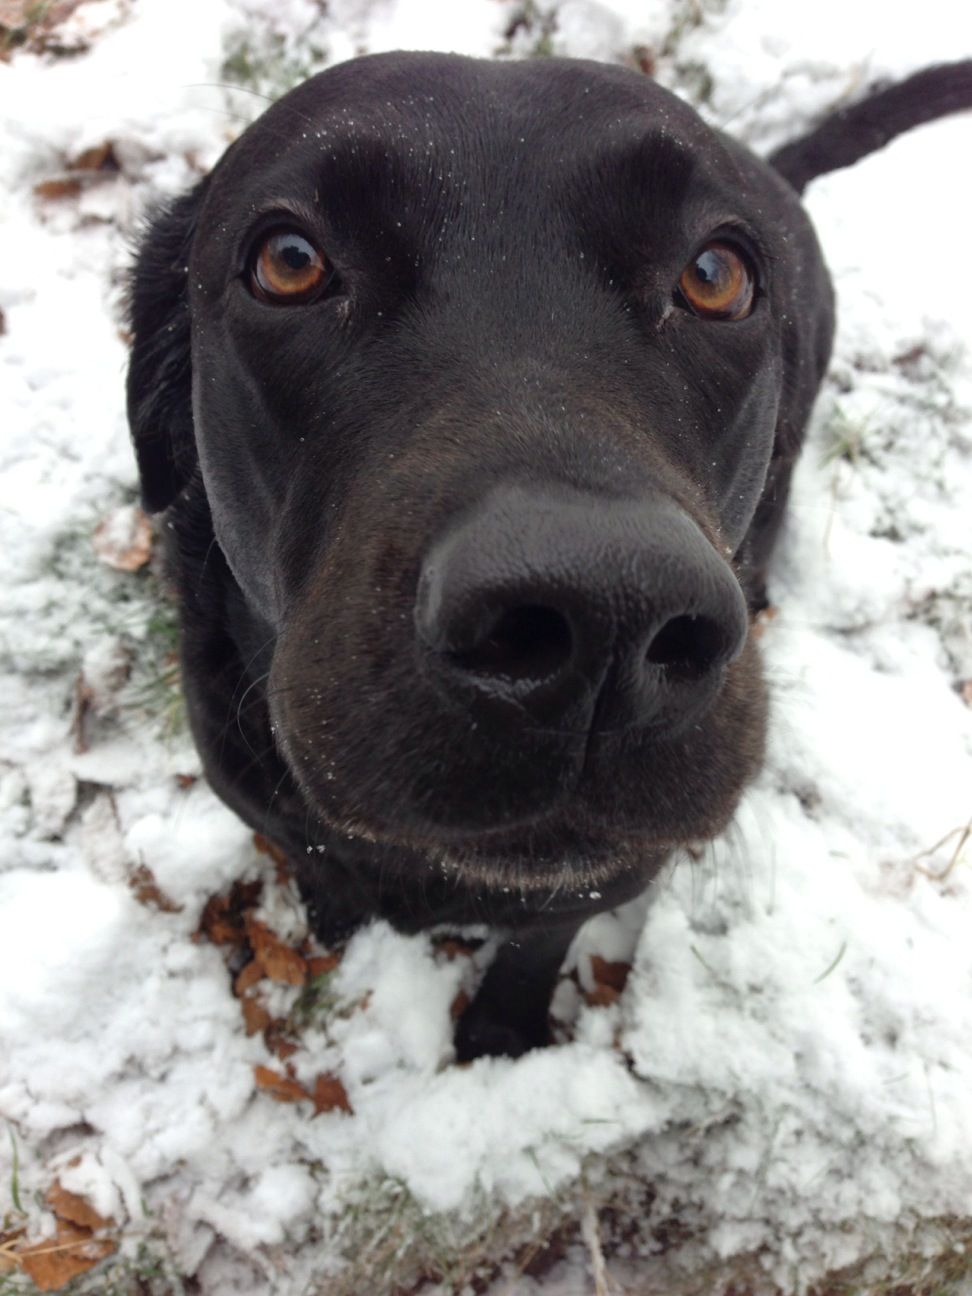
558	855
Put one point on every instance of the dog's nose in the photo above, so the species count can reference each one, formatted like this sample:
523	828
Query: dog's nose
585	613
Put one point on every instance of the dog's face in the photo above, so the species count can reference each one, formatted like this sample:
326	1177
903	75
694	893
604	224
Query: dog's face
497	373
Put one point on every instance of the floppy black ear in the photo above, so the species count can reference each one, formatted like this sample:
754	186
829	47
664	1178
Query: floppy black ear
160	368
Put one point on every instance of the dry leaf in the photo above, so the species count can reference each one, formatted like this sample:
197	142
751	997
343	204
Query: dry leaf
282	869
123	540
614	975
52	1264
278	1086
74	1209
762	620
966	692
602	996
223	917
18	14
61	187
278	1041
459	1005
99	158
330	1095
148	892
255	1016
279	961
321	964
266	847
453	948
248	977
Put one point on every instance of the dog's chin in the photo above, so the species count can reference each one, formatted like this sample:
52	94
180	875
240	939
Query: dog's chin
546	857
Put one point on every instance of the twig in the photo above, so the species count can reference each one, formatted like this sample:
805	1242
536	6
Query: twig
592	1240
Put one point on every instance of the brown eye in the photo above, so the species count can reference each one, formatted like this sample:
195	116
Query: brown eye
288	268
718	284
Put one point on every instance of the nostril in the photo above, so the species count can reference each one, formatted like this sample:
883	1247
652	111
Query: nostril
525	643
687	646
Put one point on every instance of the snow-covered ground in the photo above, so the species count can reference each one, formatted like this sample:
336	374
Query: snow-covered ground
783	1090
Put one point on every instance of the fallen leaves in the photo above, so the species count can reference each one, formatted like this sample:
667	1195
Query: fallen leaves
123	539
87	168
223	918
609	982
147	891
277	960
81	1240
328	1093
259	957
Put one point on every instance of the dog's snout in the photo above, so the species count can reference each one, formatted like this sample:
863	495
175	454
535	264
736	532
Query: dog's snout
584	613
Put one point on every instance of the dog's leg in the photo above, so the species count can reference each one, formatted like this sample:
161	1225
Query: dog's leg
509	1015
337	904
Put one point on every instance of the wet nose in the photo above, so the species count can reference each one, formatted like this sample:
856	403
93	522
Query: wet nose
580	612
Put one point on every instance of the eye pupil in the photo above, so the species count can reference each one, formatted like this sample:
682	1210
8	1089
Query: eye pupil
295	256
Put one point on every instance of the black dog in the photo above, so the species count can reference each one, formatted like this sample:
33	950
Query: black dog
473	391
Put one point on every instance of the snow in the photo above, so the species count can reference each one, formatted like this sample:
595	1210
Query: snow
787	1075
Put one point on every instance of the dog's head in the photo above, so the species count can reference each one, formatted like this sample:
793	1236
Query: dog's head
492	374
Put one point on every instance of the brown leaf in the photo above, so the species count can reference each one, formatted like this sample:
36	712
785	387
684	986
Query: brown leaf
278	1086
148	892
73	1208
255	1016
279	961
265	846
459	1005
321	964
602	996
330	1095
223	916
248	977
52	1264
454	948
966	692
278	1040
99	158
18	14
124	540
762	620
61	187
186	781
614	975
282	869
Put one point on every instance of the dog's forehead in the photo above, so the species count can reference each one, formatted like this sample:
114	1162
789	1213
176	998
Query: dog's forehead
408	106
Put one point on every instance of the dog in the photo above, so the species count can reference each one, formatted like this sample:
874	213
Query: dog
471	392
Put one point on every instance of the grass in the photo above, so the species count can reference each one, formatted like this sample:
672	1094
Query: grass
90	603
846	438
27	31
268	63
155	687
316	1000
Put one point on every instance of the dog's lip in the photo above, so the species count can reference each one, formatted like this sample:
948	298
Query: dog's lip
513	859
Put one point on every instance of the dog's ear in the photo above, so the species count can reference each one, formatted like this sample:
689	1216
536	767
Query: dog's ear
160	368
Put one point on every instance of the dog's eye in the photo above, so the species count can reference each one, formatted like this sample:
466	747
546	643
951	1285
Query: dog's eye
288	268
717	284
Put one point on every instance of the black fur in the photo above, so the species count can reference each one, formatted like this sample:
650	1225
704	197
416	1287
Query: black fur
462	543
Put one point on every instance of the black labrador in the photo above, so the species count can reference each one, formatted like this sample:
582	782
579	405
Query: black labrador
472	391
